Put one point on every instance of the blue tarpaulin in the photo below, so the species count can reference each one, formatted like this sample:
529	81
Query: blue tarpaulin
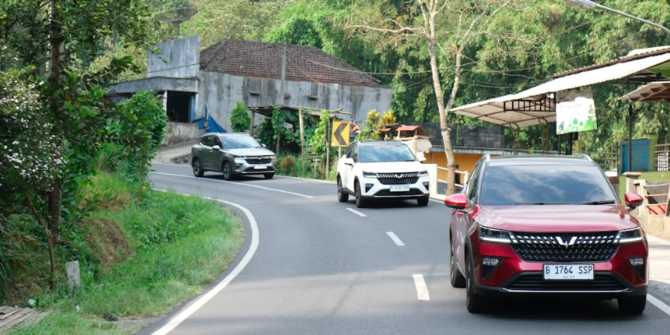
209	124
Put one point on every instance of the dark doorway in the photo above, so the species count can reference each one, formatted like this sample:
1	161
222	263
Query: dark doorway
180	106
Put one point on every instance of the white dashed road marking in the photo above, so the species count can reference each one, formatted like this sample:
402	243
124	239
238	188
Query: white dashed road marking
421	288
356	212
395	239
659	304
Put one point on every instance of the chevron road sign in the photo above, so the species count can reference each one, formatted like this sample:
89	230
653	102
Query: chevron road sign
340	136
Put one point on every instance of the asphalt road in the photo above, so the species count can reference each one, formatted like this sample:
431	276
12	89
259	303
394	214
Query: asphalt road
324	267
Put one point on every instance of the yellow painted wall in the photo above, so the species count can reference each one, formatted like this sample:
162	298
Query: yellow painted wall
465	162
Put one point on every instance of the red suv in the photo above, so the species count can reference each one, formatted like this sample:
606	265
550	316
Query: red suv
546	226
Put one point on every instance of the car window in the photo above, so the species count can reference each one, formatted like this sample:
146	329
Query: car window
217	141
544	185
239	142
205	140
385	153
354	153
472	184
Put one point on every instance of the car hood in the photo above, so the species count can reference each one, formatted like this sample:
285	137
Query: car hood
250	152
393	167
556	218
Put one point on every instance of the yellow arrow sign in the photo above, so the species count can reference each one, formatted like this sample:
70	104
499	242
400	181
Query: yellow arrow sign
340	136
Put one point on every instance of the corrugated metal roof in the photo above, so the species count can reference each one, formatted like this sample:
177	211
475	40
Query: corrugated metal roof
657	91
493	110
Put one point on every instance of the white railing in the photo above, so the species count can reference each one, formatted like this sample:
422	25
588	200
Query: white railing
464	177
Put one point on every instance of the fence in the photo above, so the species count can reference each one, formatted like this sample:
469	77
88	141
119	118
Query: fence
662	156
463	177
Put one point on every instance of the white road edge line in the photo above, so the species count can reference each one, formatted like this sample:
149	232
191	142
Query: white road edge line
356	212
183	315
421	288
659	304
395	239
238	184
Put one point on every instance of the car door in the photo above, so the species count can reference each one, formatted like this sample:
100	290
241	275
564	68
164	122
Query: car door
346	168
217	156
463	218
206	152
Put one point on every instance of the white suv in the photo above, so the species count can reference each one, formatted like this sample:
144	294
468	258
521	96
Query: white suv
381	170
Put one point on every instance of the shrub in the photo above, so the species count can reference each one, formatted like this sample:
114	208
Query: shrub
287	165
239	118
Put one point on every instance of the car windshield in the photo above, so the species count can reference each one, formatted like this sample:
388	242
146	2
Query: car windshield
239	142
385	153
545	185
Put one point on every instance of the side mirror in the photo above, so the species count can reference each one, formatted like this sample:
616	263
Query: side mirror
633	199
216	148
456	201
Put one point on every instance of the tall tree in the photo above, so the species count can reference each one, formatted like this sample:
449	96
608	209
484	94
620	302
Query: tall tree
421	22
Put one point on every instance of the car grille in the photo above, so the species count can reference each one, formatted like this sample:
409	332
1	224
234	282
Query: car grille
565	247
536	282
388	193
258	160
398	178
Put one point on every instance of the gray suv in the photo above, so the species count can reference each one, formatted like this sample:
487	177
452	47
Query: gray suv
233	155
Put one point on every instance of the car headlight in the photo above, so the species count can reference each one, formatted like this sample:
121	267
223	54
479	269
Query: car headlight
629	235
240	159
369	174
423	173
494	235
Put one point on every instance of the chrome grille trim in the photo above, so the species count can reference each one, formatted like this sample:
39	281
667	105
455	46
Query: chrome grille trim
565	247
400	178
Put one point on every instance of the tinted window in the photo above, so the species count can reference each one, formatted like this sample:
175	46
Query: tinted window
544	184
238	142
349	150
472	183
386	153
354	153
206	140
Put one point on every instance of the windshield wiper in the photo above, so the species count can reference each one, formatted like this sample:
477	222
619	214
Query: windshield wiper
538	203
599	202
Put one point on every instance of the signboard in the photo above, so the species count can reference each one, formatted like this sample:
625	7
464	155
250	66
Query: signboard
340	136
575	111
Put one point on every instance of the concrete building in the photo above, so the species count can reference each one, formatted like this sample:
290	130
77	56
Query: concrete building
196	84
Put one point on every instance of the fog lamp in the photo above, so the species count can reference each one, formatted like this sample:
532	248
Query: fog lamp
368	187
636	261
490	261
426	185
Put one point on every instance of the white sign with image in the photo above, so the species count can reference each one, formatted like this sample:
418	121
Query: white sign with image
575	111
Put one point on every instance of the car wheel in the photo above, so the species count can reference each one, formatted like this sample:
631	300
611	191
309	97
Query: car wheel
341	195
227	171
269	175
360	201
457	278
474	302
197	169
634	305
423	201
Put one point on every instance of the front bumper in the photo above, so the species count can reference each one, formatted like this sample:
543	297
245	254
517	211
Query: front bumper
614	278
245	168
373	188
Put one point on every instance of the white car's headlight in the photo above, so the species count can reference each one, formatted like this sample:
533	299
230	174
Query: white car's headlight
494	235
240	160
369	174
629	235
423	173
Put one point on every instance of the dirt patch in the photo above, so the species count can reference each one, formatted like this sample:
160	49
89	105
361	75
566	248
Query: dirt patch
107	241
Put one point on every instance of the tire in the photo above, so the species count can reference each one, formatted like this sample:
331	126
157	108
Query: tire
633	305
360	201
341	195
475	303
197	168
268	175
227	171
423	201
456	277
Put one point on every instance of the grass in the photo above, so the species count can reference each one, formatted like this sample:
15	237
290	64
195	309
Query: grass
175	245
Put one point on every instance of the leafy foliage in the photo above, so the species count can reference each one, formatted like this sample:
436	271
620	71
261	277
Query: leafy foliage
370	131
319	138
239	118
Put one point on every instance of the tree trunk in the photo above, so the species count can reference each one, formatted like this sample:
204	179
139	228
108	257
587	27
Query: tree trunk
56	40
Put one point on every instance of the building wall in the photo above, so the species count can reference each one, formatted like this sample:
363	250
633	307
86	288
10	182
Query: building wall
220	91
178	132
177	59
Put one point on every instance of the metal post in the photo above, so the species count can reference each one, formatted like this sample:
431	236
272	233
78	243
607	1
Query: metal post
630	137
560	144
327	149
302	139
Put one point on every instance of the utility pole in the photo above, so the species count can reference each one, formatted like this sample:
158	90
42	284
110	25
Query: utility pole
282	93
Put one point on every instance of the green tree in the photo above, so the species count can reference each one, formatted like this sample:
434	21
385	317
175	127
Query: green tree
240	120
370	131
319	140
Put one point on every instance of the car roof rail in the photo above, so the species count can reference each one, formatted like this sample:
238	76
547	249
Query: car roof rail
488	157
583	156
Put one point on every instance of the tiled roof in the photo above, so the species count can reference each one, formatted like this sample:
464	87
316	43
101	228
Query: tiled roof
258	59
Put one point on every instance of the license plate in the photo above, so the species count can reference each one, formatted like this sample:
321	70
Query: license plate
568	271
260	167
399	188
